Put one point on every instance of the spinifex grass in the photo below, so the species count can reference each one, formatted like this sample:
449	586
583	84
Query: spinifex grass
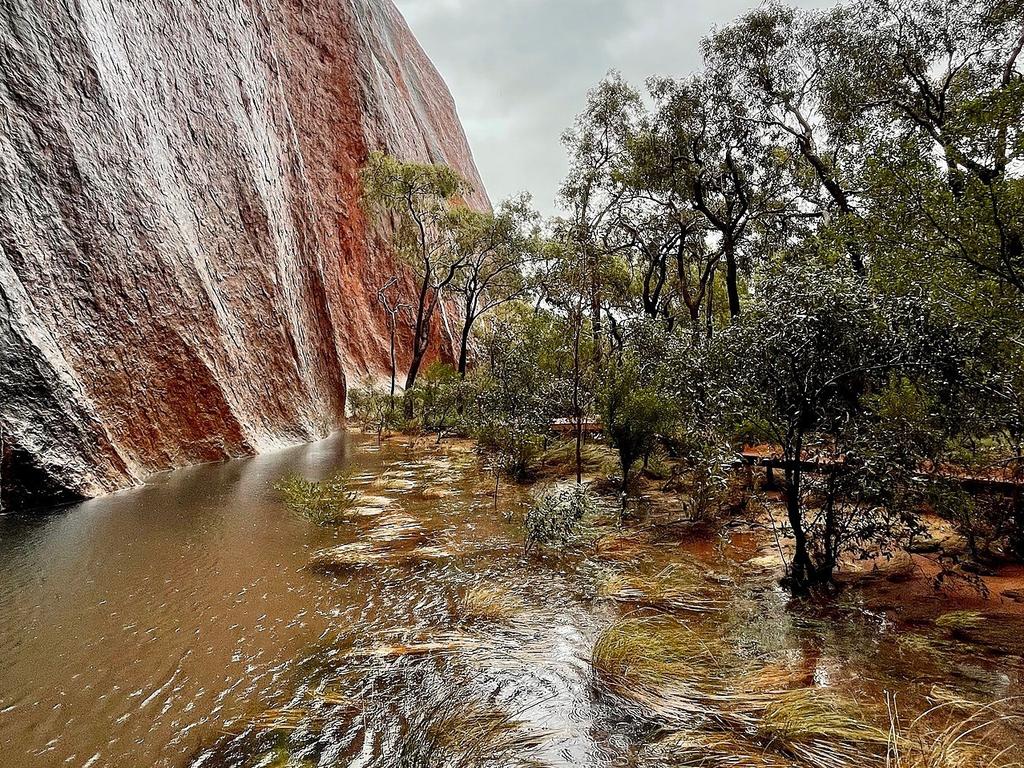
492	602
325	503
679	674
676	587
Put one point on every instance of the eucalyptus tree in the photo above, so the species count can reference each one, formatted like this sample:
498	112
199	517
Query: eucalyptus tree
415	201
494	250
596	144
565	281
941	86
784	66
797	372
730	173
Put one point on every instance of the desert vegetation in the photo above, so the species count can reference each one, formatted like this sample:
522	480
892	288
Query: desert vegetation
789	253
803	259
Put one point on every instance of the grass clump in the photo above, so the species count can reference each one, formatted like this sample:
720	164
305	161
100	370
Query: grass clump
555	516
950	736
676	587
466	733
678	674
324	503
491	602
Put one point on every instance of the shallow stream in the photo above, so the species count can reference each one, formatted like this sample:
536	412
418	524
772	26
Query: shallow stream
186	623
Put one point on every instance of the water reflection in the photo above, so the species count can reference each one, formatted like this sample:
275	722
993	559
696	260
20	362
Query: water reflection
184	623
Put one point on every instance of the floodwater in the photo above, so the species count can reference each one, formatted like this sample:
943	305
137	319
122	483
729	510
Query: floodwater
185	624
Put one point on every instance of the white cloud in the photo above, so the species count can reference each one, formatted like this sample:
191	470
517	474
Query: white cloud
520	69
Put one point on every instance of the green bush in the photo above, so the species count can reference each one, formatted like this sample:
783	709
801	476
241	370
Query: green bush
324	503
515	451
439	399
374	410
555	516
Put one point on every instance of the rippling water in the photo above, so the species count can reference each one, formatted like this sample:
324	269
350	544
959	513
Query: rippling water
181	623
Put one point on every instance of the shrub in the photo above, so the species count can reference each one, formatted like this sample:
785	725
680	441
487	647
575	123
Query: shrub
554	517
374	409
515	450
439	398
323	503
634	414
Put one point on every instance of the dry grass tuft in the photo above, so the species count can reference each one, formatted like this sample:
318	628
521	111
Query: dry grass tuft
677	587
958	735
492	602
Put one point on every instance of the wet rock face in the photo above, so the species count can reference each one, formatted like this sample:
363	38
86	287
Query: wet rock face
185	272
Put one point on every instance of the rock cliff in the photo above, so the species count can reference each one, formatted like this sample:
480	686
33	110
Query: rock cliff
185	271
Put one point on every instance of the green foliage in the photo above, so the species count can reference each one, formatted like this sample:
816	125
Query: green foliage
374	409
635	414
439	398
325	503
555	515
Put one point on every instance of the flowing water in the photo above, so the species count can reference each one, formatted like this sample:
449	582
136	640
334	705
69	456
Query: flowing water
184	623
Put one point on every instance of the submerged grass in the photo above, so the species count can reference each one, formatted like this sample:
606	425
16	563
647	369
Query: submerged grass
377	552
998	631
466	733
491	602
326	502
676	587
678	674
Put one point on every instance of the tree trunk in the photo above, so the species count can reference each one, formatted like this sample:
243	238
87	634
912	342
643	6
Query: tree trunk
800	578
467	328
732	278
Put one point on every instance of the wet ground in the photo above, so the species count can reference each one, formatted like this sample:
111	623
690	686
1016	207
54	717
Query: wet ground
197	622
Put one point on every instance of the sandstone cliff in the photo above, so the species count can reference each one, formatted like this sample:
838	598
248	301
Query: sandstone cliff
185	272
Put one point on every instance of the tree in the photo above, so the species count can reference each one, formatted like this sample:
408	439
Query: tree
731	175
942	94
493	249
798	370
565	283
393	307
596	143
415	201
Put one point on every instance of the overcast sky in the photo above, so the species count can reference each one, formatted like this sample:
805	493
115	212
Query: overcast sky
520	69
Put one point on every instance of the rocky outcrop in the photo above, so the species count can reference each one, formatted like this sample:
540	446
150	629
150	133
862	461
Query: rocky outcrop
185	271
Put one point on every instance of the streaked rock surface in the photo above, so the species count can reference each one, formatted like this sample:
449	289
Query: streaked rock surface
185	272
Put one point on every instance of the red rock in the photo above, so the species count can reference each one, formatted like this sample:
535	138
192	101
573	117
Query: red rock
185	271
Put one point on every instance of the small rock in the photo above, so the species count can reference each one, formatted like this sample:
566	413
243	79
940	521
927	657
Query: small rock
924	546
1017	595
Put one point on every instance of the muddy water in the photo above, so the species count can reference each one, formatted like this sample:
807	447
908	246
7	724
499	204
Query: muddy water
182	624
